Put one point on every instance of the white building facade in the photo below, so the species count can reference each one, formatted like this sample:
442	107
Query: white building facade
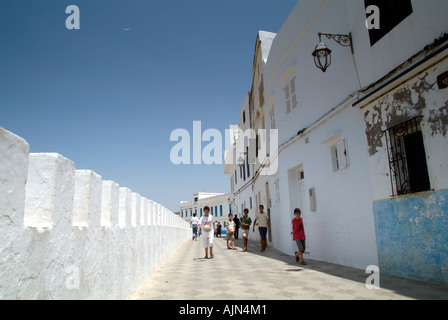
332	157
249	187
220	206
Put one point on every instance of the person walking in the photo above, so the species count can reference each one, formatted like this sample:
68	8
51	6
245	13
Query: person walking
263	223
230	232
219	227
298	235
237	226
207	225
246	221
194	225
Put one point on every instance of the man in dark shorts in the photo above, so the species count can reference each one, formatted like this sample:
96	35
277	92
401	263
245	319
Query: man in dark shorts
263	223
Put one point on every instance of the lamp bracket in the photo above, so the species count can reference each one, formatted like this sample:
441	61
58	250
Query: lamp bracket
344	40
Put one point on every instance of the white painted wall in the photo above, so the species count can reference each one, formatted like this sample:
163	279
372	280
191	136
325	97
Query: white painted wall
427	22
59	225
342	228
317	92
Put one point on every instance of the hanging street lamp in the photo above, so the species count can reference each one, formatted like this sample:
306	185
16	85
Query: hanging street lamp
322	54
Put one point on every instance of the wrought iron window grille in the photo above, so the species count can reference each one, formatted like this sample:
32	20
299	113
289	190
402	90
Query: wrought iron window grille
407	158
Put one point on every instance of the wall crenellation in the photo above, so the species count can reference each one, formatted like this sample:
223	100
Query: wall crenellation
68	234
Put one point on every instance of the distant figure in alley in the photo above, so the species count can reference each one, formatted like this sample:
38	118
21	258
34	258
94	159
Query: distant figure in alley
194	224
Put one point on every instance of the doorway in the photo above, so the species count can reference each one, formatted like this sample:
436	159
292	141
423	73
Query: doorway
298	196
268	211
301	189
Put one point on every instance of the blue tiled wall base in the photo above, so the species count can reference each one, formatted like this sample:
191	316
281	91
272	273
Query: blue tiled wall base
412	236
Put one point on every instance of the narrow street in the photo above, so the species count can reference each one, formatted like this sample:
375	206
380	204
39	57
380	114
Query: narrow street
271	275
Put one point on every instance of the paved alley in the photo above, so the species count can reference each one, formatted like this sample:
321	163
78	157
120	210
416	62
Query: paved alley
271	275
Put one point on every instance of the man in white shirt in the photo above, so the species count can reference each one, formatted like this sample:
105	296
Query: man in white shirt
263	224
194	224
207	225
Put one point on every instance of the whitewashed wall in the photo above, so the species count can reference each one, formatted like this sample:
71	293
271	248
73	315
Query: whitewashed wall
67	234
427	23
341	229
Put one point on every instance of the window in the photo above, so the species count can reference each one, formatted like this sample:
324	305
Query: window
244	117
216	211
277	190
220	210
407	158
257	139
339	155
250	202
263	131
200	211
268	196
247	162
235	178
290	94
244	172
392	13
272	116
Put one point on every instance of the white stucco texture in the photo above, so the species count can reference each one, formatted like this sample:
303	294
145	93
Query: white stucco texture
67	234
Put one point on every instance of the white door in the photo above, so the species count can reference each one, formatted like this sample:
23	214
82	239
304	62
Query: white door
301	189
268	212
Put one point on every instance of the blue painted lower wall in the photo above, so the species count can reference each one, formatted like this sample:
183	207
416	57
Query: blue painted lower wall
412	236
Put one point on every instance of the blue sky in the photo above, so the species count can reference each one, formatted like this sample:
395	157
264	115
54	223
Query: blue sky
108	99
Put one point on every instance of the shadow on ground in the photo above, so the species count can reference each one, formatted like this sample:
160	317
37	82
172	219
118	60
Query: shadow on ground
413	289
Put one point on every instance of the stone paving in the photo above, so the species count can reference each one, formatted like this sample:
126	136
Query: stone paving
269	275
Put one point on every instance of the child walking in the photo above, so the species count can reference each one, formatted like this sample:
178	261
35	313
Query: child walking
298	235
194	224
230	232
246	221
207	225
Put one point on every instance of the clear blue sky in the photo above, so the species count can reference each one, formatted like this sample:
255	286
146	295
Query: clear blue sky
108	99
